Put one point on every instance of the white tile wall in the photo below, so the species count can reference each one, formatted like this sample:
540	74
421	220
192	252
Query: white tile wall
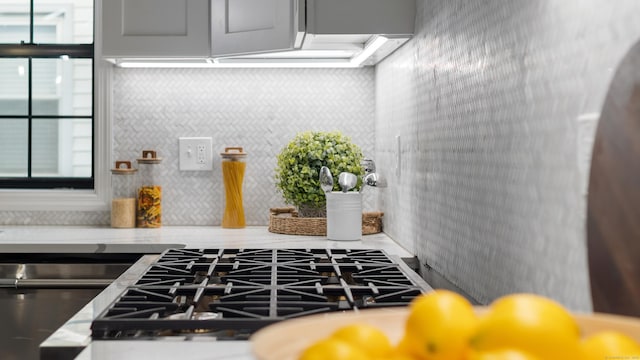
494	104
259	109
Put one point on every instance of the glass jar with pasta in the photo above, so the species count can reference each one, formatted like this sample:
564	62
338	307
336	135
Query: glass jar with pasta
233	167
123	203
149	207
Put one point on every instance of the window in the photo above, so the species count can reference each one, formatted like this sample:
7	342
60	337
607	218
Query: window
46	94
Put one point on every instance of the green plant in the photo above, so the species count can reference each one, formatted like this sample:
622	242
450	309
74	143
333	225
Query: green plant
300	161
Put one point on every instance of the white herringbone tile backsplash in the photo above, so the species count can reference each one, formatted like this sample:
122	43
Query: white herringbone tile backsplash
258	109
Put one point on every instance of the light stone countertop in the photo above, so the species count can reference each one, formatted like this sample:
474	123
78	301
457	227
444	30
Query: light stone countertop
158	350
90	239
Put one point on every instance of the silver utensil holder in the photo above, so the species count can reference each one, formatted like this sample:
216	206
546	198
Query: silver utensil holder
344	215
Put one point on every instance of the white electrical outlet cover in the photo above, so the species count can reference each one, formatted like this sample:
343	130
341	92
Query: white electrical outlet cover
196	153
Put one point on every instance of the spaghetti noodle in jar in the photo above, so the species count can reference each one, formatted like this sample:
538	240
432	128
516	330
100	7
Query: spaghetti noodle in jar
233	167
149	208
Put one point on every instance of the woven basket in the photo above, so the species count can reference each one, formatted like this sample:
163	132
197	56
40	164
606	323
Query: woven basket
286	221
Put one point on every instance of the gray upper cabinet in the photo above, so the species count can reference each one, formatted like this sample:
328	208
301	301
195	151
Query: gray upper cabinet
339	17
240	27
244	30
155	28
252	26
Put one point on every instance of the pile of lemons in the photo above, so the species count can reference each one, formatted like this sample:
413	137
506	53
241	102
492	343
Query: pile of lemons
443	325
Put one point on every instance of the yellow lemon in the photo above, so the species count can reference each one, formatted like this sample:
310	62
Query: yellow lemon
368	338
609	345
403	350
334	349
439	326
398	356
503	354
531	323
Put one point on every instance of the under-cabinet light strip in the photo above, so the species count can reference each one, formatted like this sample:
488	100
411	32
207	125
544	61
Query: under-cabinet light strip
262	64
369	50
355	61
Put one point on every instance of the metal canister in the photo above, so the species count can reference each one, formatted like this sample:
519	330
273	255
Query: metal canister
123	203
233	168
149	208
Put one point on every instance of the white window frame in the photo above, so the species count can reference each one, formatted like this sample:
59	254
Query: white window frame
99	198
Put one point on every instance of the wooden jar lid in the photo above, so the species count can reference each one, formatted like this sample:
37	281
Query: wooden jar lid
127	170
149	157
233	153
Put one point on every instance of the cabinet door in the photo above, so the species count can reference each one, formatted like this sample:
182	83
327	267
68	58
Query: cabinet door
154	28
251	26
361	16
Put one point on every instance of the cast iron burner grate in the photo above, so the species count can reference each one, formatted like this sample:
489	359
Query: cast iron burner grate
230	293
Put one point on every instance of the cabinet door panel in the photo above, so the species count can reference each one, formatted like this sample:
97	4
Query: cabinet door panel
246	26
261	17
155	28
161	17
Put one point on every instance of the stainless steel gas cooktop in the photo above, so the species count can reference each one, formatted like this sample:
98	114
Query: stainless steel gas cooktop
231	293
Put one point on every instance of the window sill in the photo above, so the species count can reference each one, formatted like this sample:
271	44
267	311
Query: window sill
52	200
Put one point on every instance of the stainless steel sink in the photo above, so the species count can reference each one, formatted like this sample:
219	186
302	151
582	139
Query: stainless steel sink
37	297
39	275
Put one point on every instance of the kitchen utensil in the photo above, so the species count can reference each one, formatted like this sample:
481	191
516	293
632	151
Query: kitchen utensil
368	165
347	181
370	179
326	179
613	202
279	341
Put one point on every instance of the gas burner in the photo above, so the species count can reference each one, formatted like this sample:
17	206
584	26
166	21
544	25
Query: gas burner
230	293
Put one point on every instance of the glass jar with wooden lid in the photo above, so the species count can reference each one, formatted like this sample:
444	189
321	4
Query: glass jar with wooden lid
123	203
233	168
149	208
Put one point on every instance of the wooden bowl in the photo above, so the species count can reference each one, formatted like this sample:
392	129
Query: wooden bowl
286	340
